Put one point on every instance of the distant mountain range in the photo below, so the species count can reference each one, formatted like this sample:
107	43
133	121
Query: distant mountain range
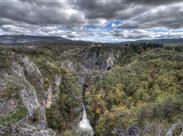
163	41
36	40
49	40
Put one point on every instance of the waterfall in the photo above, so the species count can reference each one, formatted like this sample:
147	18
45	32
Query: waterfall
84	126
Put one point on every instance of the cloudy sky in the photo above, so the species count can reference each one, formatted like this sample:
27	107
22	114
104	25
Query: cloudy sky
93	20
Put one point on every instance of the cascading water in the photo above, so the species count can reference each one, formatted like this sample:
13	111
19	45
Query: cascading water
84	126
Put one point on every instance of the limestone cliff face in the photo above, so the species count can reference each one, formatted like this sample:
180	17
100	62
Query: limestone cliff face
33	122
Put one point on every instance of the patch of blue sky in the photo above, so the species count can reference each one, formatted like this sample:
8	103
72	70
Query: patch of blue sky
111	25
178	30
90	27
158	29
106	28
64	28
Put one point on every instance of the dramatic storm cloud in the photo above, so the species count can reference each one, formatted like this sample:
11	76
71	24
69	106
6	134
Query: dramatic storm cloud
94	20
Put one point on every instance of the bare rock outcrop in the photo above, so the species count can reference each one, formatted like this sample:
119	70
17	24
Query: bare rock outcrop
34	123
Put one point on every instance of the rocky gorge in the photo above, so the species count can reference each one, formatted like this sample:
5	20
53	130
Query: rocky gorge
132	90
